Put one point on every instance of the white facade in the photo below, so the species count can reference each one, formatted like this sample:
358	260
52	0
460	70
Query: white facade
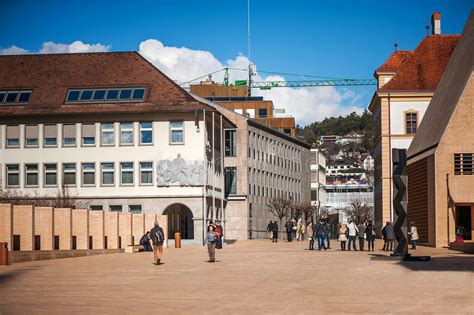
318	178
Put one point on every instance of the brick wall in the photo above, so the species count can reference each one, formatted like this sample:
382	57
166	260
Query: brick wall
96	229
125	229
111	226
138	227
63	227
44	227
23	218
80	228
6	227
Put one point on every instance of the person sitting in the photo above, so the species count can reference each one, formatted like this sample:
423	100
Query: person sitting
145	242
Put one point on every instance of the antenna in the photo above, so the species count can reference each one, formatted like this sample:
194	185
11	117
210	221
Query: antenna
395	45
249	84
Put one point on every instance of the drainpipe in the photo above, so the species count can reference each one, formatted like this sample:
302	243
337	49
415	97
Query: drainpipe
204	189
390	157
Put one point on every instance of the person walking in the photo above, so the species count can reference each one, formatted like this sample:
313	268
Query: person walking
413	235
390	236
157	238
145	242
320	233
310	231
289	230
275	232
361	235
293	229
342	237
300	230
219	234
270	230
328	227
384	236
352	234
211	240
370	236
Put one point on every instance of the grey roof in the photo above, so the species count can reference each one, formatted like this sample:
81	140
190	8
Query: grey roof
447	95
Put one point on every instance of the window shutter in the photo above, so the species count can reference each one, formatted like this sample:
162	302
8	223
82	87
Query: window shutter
50	131
13	132
31	132
88	130
69	131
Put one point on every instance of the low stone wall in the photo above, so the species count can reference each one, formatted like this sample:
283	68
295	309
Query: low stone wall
467	247
37	232
22	256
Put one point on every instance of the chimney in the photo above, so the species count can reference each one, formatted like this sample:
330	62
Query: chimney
436	23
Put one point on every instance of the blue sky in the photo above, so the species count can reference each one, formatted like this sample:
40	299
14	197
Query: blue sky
327	38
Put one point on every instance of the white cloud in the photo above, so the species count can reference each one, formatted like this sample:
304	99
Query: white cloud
57	48
305	104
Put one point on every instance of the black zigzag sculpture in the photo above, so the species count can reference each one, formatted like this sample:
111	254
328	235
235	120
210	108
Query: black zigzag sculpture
400	201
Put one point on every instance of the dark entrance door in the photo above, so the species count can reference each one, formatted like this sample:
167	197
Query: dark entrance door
180	219
464	219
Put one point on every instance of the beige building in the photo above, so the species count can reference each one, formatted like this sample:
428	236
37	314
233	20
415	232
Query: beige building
318	178
261	163
406	83
116	132
440	158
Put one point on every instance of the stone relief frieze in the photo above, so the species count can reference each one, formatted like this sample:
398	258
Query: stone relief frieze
179	172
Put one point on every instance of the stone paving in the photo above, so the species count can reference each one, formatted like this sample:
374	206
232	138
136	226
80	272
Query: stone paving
249	277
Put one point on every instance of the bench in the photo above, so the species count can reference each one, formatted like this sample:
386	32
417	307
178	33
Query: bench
134	248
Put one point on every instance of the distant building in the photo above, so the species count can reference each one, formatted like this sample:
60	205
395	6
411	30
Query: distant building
236	98
406	83
261	163
440	158
318	178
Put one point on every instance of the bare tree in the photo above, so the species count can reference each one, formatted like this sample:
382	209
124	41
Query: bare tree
63	198
279	207
359	212
302	210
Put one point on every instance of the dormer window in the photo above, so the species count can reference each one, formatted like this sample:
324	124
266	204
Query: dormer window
14	97
106	95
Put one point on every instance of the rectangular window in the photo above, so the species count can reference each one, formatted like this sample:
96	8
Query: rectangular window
69	174
13	175
50	135
107	134
177	132
56	242
230	176
463	163
250	112
262	112
126	173
96	208
50	175
37	242
126	133
91	242
69	135
411	122
146	173
115	208
230	143
74	242
11	97
137	209
13	136
88	174
88	134
108	176
146	133
16	242
138	94
31	175
31	136
287	131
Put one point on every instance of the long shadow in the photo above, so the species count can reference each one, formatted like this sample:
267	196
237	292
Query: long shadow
447	263
8	276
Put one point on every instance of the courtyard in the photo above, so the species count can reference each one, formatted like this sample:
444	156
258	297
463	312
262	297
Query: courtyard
253	276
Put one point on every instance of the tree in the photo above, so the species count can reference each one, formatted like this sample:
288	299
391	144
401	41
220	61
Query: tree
359	212
279	207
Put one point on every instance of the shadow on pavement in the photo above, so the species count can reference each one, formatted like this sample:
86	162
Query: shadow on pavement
447	263
9	276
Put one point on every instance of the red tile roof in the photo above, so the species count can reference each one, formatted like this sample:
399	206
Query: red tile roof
395	61
423	69
50	77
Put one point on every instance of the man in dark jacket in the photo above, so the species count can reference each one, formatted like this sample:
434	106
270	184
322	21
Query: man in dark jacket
320	234
270	229
289	230
275	232
145	242
361	235
157	238
327	226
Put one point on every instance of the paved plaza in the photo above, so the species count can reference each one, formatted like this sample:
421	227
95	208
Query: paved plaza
249	277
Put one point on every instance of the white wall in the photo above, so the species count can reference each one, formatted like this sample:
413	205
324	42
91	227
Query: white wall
397	114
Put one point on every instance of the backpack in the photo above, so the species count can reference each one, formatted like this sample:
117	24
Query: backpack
158	237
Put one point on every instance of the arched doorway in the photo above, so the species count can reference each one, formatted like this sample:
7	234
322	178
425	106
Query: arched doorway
180	219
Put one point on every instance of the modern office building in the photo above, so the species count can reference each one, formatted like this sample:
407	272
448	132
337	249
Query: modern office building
237	99
116	132
318	178
406	83
261	163
440	158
